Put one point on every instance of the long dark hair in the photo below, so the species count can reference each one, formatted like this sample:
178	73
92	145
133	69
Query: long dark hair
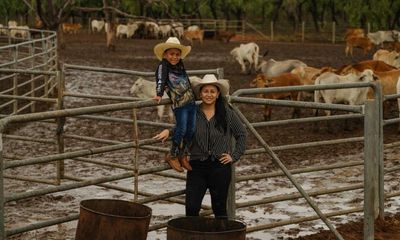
220	113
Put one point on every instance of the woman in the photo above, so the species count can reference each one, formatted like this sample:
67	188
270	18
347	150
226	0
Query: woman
211	154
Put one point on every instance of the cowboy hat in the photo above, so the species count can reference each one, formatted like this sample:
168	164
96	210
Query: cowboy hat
172	42
210	79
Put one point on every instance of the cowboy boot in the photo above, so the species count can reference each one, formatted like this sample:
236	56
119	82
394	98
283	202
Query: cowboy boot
172	158
184	158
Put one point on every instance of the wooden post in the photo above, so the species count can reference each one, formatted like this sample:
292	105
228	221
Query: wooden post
371	168
136	159
60	77
333	31
2	202
303	26
272	30
368	27
231	201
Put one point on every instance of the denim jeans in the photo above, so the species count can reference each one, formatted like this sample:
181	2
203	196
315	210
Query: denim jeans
213	176
185	127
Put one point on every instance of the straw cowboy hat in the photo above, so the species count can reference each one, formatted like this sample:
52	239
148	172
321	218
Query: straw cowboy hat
222	84
172	42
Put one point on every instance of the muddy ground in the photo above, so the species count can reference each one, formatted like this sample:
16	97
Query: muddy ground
137	54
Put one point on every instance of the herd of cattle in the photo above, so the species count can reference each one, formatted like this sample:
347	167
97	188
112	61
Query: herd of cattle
150	29
384	67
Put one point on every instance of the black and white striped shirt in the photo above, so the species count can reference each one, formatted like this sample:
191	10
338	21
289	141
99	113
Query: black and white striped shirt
210	141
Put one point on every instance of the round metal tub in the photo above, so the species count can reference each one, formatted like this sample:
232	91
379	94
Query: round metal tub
108	219
200	228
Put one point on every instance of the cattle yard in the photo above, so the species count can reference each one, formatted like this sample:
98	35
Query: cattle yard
330	151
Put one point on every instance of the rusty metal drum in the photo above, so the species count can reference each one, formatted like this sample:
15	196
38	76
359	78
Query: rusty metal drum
108	219
201	228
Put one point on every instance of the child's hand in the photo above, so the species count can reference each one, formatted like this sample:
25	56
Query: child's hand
157	99
163	135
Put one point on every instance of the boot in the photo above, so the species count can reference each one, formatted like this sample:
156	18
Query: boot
172	158
184	158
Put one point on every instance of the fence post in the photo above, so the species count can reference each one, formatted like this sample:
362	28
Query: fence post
136	159
243	29
303	25
15	80
371	168
368	27
272	30
32	76
2	196
231	202
333	31
60	123
220	73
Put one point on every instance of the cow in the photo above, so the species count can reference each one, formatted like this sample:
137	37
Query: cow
388	81
379	37
71	27
354	32
284	80
351	96
273	68
362	42
307	77
165	30
193	35
126	30
391	58
193	28
224	36
247	53
374	65
177	29
146	89
21	31
97	25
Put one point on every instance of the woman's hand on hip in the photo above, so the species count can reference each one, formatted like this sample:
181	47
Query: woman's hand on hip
163	135
225	158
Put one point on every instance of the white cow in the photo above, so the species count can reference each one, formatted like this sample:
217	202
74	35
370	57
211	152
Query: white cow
97	25
22	31
165	30
247	53
127	30
143	88
351	96
391	58
381	36
272	68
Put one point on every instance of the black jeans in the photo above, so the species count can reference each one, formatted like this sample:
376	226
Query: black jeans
208	175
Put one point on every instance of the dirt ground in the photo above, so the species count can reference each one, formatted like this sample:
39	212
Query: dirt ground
137	55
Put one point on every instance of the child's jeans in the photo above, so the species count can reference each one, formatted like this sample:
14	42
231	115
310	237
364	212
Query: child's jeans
185	128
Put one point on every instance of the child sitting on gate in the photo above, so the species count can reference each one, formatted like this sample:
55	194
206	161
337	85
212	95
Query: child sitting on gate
171	76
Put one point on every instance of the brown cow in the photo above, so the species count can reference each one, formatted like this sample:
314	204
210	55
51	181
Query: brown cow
284	80
362	42
374	65
354	32
224	36
193	35
71	27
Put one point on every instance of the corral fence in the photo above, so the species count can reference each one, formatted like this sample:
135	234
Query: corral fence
74	149
20	91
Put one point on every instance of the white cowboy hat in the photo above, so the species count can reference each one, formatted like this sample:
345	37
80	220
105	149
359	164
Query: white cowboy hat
210	79
172	42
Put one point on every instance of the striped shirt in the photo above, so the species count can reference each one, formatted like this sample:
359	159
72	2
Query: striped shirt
212	142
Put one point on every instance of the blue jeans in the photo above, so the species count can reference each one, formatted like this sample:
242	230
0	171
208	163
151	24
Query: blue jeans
185	127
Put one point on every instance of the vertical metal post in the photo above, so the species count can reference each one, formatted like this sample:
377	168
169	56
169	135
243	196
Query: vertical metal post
220	73
45	61
371	169
15	80
379	118
31	53
231	201
136	159
2	196
243	29
368	27
333	32
303	26
60	124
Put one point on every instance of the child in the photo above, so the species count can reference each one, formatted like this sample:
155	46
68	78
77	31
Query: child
172	77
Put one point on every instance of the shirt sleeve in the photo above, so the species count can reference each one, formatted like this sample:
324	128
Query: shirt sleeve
161	78
240	134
